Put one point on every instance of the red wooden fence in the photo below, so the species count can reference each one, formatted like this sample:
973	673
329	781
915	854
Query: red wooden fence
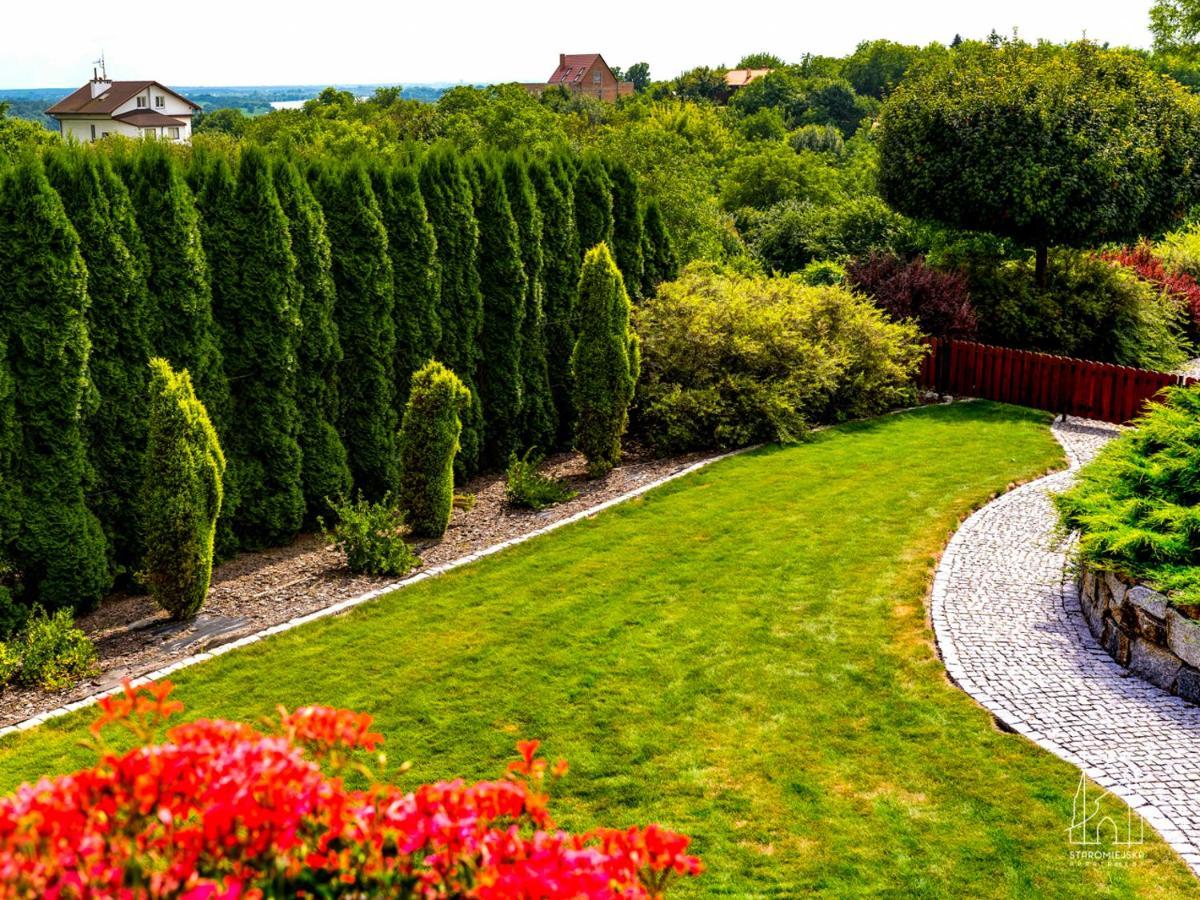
1072	387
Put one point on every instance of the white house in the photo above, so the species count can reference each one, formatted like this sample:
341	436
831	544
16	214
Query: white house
131	108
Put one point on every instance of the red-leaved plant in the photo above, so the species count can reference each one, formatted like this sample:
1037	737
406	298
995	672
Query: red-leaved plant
1150	267
224	810
938	300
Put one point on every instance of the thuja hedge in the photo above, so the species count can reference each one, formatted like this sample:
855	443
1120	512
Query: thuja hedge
300	293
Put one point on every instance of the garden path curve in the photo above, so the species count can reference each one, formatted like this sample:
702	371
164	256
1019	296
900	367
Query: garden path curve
1009	626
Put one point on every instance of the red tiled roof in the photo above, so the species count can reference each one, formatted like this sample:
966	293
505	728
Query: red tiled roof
148	118
573	66
742	77
81	102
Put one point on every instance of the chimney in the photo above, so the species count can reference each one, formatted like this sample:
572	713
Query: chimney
562	60
99	84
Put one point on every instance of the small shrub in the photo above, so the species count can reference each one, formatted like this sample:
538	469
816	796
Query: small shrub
181	494
428	443
371	535
55	653
1181	287
526	487
10	662
731	360
821	273
1180	251
938	301
1137	505
604	362
464	501
13	614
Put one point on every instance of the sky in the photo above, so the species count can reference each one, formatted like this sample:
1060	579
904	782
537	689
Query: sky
243	42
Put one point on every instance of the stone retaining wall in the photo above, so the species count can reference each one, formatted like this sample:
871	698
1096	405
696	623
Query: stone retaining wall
1142	632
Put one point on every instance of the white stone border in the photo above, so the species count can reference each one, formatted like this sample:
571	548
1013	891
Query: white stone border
344	605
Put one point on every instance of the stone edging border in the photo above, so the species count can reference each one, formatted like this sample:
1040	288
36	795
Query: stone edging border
1140	630
344	605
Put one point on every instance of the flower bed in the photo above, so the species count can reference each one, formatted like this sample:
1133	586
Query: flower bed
221	809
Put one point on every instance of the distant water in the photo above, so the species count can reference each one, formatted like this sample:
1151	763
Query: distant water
288	104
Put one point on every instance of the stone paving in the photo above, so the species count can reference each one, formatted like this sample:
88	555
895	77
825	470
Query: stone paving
1009	626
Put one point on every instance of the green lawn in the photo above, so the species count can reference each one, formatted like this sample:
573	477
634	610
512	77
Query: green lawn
741	655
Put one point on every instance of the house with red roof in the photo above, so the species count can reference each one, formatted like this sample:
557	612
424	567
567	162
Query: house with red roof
130	108
587	74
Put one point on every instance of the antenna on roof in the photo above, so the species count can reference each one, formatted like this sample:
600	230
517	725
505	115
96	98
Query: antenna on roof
103	76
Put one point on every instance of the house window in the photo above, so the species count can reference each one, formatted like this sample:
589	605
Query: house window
595	78
93	132
160	101
141	102
173	131
148	132
566	74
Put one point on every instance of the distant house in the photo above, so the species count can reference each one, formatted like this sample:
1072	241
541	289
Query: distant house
131	108
587	74
739	78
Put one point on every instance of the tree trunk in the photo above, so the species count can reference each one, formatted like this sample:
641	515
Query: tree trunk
1042	252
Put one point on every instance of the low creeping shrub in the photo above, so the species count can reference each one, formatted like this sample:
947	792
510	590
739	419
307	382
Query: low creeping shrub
730	360
1136	505
223	809
371	535
526	487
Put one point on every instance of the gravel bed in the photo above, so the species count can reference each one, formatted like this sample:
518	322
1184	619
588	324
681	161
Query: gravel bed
256	590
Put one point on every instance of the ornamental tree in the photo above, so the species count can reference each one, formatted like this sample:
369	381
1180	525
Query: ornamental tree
1046	145
538	418
605	362
449	202
115	433
561	258
593	204
324	468
181	493
57	544
627	225
413	250
429	440
504	285
362	275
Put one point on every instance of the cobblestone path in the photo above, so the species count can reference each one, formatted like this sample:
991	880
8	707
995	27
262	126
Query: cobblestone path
1009	627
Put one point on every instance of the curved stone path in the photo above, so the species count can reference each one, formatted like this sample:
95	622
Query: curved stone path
1009	627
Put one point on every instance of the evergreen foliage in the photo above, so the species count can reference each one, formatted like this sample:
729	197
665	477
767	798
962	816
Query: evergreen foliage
499	376
181	493
429	440
116	325
561	258
627	233
58	545
658	253
449	202
255	303
325	470
538	418
604	363
362	275
593	204
413	249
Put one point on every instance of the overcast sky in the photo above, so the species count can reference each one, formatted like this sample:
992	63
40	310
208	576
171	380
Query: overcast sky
52	43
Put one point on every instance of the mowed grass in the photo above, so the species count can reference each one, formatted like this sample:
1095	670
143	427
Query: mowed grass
741	655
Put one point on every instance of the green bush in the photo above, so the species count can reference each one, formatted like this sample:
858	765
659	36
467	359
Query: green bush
1089	308
1137	505
428	443
822	272
54	653
730	360
10	662
181	494
604	363
526	487
819	139
1180	251
790	235
372	536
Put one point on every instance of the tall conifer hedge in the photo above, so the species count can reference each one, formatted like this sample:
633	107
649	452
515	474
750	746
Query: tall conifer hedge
324	471
593	204
627	225
660	262
449	202
115	434
58	545
362	275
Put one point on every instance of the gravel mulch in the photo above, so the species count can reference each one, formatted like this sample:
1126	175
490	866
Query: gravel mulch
256	590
